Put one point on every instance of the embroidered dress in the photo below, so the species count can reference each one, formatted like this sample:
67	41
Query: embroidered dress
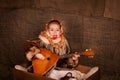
59	46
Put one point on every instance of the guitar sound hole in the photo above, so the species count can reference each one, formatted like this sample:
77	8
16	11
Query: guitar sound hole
48	58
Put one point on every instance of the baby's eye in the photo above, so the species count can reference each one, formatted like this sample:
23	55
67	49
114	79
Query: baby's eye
51	30
58	30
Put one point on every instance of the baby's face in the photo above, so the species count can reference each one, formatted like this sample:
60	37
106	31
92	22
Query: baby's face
54	30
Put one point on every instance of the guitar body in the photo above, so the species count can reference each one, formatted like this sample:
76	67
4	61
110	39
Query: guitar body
41	67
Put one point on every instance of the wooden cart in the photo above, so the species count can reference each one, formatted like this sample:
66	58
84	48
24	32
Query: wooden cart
21	75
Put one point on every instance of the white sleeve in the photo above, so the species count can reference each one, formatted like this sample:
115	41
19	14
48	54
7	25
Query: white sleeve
29	56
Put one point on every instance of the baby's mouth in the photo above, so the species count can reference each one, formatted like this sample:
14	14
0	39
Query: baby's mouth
54	37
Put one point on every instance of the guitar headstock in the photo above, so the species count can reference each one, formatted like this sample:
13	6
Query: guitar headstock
89	52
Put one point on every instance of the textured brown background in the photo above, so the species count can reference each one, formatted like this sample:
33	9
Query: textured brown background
87	24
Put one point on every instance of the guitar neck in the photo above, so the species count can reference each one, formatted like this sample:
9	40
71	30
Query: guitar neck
87	52
68	55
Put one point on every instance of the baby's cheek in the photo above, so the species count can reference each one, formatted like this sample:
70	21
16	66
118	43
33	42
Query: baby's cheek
58	32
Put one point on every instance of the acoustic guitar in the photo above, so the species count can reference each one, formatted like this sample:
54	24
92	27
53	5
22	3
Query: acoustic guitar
41	67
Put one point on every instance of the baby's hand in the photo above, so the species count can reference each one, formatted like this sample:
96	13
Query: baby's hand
40	56
75	56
